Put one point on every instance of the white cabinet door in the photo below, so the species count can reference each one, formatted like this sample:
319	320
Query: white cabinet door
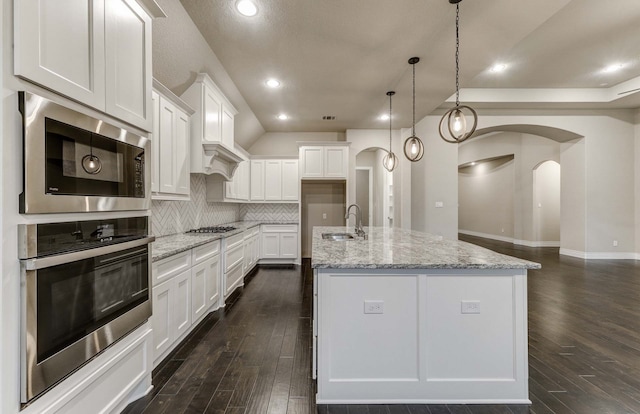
227	127
181	148
290	182
212	283
182	303
257	180
335	162
311	162
244	181
270	245
288	245
273	180
198	291
162	318
128	62
167	155
155	144
61	46
212	112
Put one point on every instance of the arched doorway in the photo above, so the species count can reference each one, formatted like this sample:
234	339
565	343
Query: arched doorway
546	204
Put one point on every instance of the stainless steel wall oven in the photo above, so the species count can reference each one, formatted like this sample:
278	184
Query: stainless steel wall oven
85	285
76	163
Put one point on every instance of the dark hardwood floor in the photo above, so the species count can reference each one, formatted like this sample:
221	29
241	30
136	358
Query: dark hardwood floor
254	356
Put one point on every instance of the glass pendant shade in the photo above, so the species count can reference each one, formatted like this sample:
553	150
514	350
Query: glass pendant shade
413	146
413	149
390	161
460	122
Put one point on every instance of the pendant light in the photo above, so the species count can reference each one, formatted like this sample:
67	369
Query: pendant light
390	160
413	146
454	127
91	163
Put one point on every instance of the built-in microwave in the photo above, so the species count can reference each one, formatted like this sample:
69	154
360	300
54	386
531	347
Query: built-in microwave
77	163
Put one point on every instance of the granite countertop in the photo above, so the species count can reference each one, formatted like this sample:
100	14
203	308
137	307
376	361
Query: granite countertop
166	246
392	248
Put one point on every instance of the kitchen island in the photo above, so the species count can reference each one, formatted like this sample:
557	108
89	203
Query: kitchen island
407	317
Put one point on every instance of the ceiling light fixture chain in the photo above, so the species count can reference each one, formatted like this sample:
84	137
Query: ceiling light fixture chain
390	160
413	146
453	125
457	54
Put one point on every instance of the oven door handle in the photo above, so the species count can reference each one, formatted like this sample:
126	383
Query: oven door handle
44	262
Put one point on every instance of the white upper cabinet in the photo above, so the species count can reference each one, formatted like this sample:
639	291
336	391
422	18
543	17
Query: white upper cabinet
96	52
60	45
257	179
212	130
290	181
128	62
324	161
170	146
274	180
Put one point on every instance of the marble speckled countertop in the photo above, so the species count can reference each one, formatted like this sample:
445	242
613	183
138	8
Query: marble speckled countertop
166	246
405	249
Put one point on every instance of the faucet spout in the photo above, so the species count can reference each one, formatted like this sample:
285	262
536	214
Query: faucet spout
359	230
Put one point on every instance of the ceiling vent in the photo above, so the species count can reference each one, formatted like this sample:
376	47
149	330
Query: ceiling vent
328	118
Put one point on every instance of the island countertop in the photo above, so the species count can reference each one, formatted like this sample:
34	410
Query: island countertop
393	248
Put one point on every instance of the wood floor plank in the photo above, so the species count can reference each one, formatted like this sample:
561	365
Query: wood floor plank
419	409
244	387
298	406
280	392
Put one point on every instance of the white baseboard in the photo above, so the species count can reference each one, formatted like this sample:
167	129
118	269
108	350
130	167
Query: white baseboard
527	243
600	255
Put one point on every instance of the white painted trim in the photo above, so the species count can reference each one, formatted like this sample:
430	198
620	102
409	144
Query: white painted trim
486	235
527	243
424	401
600	255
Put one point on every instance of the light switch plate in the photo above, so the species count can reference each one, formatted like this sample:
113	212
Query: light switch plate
470	306
439	204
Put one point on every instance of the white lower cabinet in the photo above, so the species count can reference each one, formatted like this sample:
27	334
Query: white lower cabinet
233	263
279	241
251	249
186	287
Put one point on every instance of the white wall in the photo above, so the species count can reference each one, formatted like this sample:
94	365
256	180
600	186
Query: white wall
180	52
286	143
637	178
434	179
486	196
528	151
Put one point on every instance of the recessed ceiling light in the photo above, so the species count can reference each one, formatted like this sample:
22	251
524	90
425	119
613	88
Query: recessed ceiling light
498	67
247	8
473	163
613	67
384	117
283	117
273	83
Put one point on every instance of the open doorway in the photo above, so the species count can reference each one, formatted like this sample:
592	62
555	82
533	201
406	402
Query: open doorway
323	204
546	204
364	193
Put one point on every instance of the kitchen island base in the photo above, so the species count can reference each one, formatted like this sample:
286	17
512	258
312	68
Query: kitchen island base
421	336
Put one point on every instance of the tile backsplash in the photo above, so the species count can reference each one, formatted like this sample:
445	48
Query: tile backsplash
269	212
170	217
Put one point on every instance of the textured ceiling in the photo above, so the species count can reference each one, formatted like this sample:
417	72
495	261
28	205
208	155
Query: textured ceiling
340	57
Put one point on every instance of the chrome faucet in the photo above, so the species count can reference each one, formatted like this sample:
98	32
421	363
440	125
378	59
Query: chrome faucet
358	214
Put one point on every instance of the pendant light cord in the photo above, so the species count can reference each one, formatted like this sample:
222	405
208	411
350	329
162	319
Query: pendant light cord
457	54
413	128
390	97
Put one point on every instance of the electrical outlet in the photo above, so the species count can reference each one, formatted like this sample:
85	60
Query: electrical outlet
373	306
439	204
324	216
615	243
470	306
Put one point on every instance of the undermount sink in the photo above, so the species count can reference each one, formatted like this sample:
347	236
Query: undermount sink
338	236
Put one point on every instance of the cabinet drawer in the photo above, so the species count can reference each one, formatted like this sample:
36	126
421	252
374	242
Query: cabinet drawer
233	256
167	268
279	228
232	241
201	253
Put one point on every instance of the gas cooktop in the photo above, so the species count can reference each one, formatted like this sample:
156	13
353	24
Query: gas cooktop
212	229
